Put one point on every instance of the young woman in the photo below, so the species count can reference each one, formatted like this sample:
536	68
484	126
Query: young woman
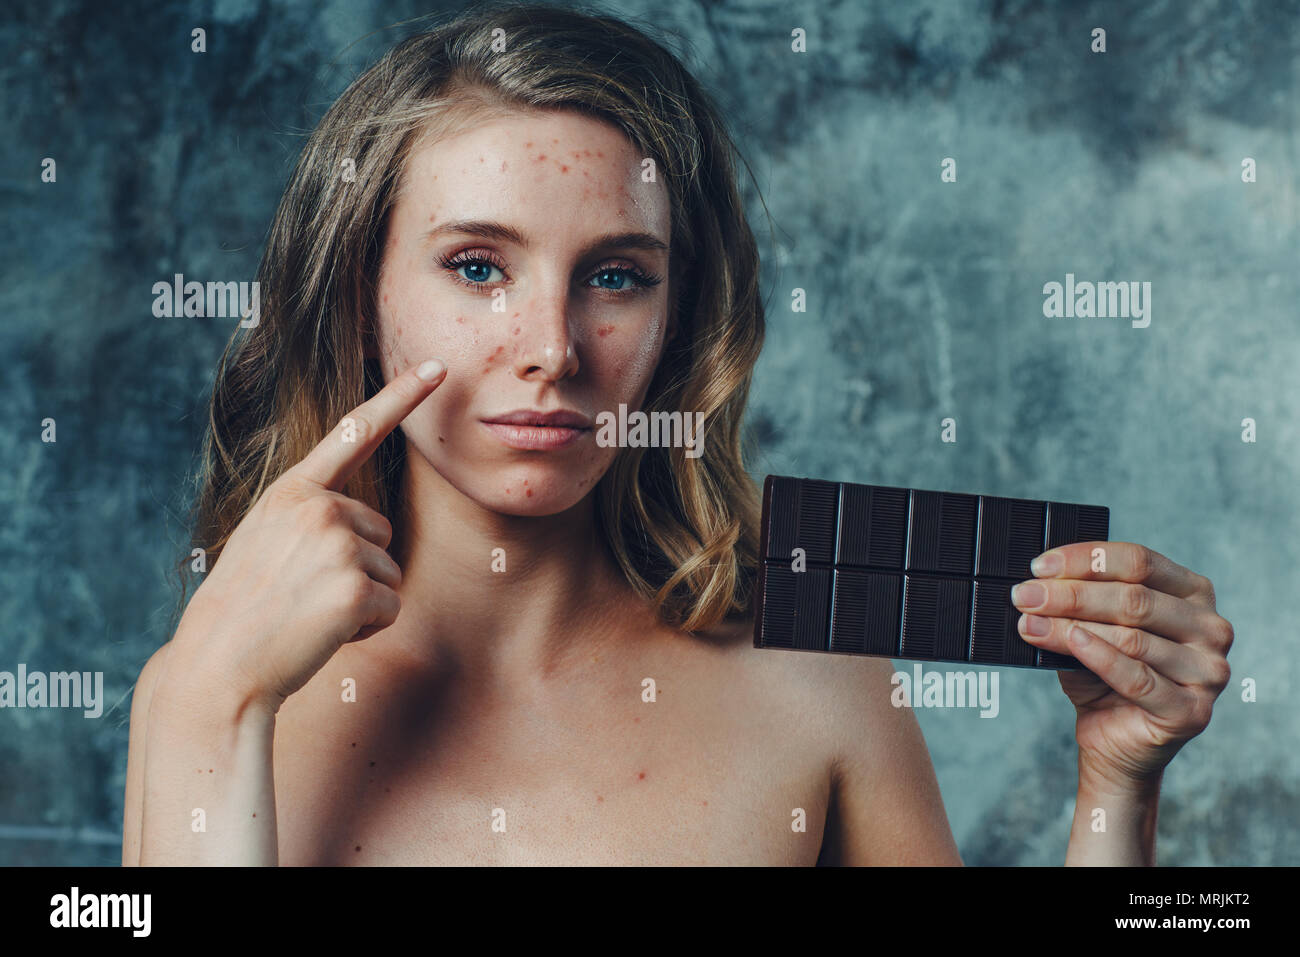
443	622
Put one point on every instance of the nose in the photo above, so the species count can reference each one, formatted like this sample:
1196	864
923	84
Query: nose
547	349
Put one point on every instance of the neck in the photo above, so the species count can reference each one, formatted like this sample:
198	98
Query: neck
507	598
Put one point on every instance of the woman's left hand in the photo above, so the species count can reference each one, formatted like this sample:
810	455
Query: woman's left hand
1155	650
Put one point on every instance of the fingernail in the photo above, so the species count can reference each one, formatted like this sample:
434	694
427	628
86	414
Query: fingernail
1047	564
1079	636
1028	594
430	370
1038	626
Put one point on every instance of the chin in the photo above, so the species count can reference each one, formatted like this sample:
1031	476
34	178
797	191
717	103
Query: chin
535	489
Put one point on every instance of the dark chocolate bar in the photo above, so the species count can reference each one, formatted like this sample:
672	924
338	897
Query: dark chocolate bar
906	573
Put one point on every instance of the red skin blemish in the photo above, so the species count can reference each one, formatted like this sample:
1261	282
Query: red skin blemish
358	847
440	439
460	319
528	144
529	493
704	804
516	332
599	798
600	154
540	157
503	166
636	720
603	331
563	168
641	776
385	298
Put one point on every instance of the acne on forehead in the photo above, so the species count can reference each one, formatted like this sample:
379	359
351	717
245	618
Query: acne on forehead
523	149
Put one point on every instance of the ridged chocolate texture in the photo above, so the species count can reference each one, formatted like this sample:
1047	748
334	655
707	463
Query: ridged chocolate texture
906	573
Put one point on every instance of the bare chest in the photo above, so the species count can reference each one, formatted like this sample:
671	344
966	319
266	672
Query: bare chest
604	782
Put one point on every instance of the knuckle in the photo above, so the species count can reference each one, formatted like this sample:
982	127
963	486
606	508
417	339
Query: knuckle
1202	711
1206	587
344	545
323	511
1132	642
1141	683
1144	562
1220	673
360	428
1224	634
1069	597
1136	603
354	591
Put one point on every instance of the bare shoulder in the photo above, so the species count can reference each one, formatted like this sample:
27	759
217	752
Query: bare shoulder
830	695
132	804
886	807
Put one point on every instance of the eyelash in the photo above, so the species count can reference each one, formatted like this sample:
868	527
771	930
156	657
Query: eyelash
453	263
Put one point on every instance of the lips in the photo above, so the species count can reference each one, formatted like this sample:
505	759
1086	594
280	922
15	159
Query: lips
533	431
558	419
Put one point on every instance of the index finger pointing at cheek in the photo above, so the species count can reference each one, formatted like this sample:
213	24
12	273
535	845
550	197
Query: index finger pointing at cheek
349	444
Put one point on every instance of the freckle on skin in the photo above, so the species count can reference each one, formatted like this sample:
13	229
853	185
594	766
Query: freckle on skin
440	439
641	776
540	157
599	798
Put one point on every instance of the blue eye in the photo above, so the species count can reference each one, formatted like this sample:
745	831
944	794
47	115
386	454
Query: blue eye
478	267
479	271
619	275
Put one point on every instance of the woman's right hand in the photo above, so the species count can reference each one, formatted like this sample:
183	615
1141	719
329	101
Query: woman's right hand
305	571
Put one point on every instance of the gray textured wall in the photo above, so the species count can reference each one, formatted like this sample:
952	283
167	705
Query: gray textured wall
924	300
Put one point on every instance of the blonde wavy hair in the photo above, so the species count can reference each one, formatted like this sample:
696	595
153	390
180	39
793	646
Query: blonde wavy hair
684	531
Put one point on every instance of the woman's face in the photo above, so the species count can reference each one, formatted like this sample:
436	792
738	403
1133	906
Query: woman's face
530	257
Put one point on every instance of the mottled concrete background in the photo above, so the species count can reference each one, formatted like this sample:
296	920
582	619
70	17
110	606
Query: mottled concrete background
925	301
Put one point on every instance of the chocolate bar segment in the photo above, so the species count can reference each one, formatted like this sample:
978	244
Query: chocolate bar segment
803	514
906	573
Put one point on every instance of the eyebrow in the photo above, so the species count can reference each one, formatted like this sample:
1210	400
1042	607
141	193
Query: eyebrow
488	229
